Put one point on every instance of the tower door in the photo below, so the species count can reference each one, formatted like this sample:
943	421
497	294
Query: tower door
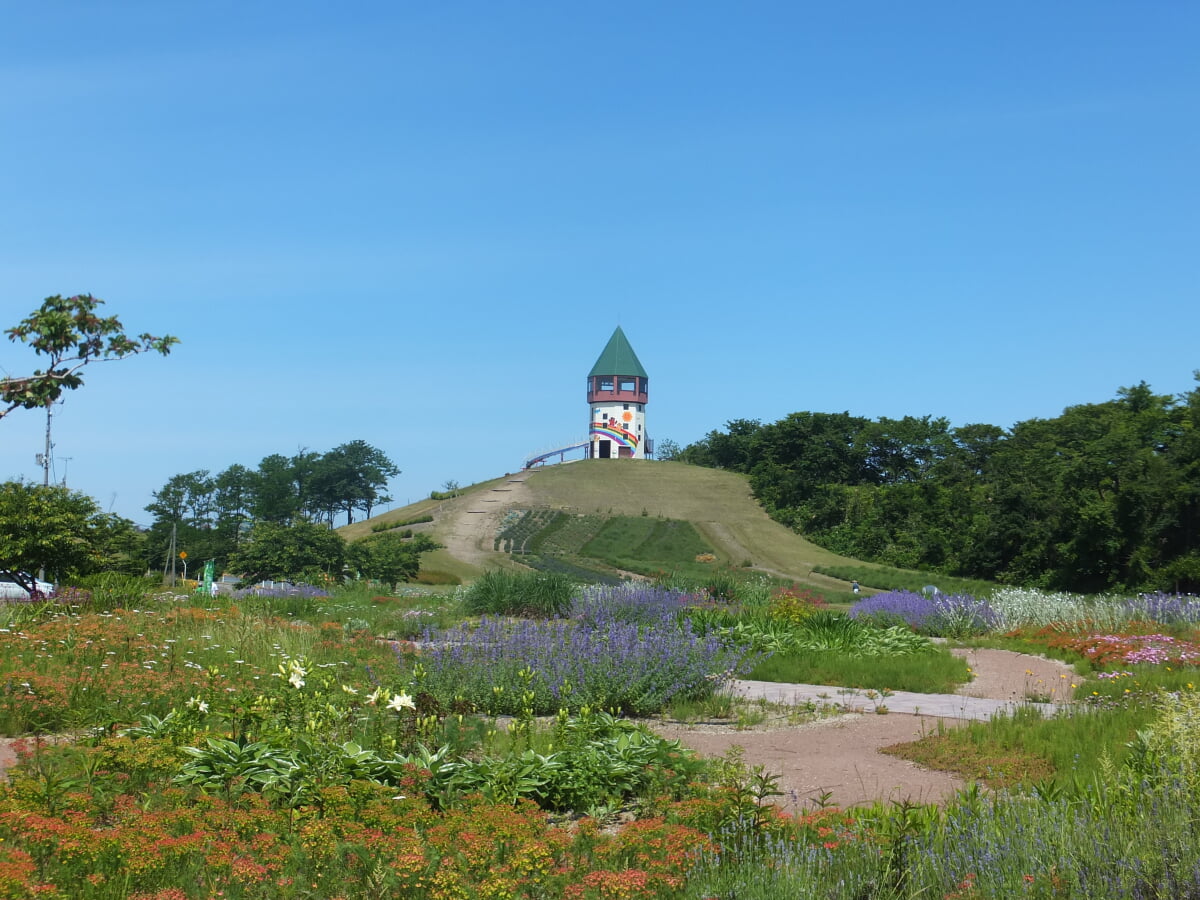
605	449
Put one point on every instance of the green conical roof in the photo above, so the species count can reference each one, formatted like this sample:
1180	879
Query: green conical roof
618	358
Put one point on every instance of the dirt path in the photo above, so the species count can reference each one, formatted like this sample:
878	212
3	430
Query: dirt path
840	757
471	525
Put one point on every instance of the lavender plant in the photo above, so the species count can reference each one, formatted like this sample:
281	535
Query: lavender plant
640	604
504	666
943	615
282	589
893	607
1166	609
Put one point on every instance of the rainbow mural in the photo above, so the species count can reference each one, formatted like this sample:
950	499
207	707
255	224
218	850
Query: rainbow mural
616	433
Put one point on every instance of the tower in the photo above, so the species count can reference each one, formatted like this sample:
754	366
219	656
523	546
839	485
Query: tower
617	390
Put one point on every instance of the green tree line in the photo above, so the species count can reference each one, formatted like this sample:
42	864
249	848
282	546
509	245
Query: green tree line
211	516
65	533
1104	496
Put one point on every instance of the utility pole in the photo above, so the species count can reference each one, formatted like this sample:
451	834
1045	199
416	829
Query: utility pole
171	557
46	456
43	459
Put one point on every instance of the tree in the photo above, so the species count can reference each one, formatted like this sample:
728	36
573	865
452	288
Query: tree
349	477
274	495
303	550
186	507
53	528
667	449
231	501
389	558
70	333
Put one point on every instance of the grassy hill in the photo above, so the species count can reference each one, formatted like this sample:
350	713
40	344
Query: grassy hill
718	504
574	503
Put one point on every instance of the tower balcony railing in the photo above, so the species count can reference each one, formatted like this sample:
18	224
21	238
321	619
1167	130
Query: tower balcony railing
617	396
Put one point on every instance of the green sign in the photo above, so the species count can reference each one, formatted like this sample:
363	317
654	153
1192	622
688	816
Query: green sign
206	584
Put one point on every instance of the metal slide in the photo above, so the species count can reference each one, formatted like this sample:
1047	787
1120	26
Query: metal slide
560	452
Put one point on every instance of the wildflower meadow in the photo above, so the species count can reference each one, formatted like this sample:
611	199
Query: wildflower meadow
352	743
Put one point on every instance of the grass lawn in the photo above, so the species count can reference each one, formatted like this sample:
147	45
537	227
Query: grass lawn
926	673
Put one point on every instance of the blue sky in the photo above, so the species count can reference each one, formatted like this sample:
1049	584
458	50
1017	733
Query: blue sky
418	224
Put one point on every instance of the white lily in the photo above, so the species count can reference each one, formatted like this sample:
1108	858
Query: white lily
401	701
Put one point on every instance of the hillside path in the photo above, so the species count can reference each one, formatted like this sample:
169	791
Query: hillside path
471	526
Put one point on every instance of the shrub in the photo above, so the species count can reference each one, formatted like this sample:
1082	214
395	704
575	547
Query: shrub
792	605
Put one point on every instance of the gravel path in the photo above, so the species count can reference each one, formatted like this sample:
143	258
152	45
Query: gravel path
840	756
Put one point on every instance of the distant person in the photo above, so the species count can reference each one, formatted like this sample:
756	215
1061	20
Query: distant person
854	586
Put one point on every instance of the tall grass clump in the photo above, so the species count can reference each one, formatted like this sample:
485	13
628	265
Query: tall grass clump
501	593
108	591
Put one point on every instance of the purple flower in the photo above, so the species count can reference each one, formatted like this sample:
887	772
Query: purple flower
599	659
940	614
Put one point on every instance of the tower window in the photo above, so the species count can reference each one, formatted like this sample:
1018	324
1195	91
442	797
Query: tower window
624	406
629	384
606	384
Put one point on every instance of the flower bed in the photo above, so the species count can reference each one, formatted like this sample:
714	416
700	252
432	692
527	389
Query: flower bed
952	615
505	666
1108	650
